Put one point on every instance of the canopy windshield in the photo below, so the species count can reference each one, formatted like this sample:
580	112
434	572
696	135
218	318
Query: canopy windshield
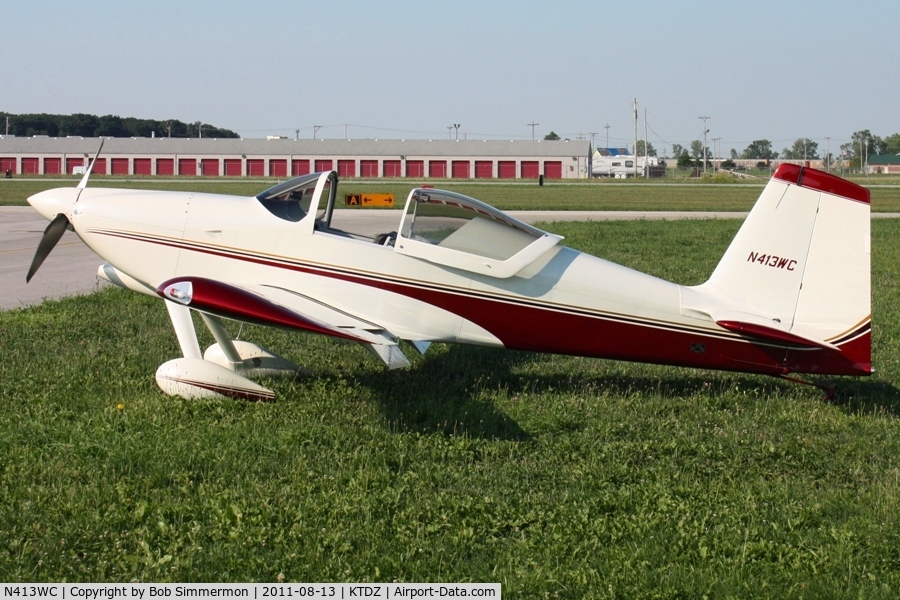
458	231
292	200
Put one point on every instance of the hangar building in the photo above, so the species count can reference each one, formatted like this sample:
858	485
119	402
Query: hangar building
280	157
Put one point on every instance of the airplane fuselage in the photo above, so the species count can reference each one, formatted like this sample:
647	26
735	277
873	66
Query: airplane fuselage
564	302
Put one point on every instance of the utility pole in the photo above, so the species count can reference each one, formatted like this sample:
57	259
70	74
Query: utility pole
715	153
607	135
533	125
592	134
315	129
456	126
867	158
705	131
646	148
7	124
345	131
449	132
828	153
635	138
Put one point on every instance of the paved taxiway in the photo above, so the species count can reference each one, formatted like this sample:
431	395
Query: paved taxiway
72	267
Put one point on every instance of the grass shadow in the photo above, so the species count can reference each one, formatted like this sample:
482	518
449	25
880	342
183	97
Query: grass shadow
867	396
854	395
448	391
443	393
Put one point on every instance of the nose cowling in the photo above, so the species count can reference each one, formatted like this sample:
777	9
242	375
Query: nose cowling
53	202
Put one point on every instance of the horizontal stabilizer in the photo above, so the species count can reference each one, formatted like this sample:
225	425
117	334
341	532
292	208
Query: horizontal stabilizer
770	334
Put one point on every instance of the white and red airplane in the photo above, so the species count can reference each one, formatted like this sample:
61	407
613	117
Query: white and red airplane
790	296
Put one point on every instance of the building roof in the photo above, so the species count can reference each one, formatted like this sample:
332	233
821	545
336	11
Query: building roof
307	147
884	159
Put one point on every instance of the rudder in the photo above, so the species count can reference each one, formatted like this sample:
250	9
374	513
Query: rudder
800	263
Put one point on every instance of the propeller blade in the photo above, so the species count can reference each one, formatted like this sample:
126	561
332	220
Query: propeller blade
54	231
87	174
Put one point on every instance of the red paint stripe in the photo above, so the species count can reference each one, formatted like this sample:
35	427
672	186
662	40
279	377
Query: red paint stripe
374	280
230	392
821	181
536	327
233	302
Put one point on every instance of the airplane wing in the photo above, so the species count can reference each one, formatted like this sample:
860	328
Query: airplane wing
278	307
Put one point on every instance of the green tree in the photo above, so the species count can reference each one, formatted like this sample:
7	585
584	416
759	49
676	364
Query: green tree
140	127
862	143
759	149
217	132
639	151
33	124
25	125
697	153
892	144
551	136
803	149
111	126
677	149
79	124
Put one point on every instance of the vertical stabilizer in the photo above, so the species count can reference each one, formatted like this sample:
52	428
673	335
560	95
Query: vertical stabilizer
800	264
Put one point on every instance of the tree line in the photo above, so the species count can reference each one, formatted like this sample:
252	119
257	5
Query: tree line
85	125
861	145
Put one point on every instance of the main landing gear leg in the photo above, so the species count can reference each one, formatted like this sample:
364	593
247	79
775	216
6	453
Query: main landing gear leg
244	357
192	377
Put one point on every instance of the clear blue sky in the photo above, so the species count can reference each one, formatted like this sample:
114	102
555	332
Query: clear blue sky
407	69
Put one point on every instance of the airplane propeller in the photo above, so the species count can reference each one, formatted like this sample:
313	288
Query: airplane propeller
54	231
58	225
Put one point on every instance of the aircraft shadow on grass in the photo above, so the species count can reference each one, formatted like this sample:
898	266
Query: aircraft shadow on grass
867	397
445	393
441	394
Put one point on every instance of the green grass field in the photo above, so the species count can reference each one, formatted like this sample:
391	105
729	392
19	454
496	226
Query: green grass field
556	476
559	195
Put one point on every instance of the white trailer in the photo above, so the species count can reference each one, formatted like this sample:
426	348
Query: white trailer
604	163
